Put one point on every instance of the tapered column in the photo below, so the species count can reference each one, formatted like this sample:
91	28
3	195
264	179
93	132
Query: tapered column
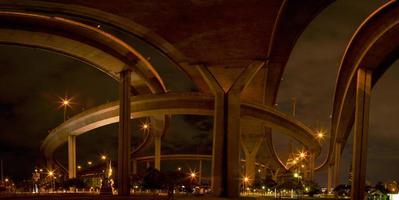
226	142
157	157
72	156
359	157
337	164
124	133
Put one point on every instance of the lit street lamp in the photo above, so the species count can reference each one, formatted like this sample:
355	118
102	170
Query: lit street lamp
65	103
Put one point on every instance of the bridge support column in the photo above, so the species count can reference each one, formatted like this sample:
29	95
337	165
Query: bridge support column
124	133
157	157
251	151
226	140
72	156
311	166
330	177
359	157
134	166
250	167
337	163
200	172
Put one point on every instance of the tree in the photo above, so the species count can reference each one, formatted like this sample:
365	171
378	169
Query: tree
342	190
172	179
152	179
269	182
289	182
311	188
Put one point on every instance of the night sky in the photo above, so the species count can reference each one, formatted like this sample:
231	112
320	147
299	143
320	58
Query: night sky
31	80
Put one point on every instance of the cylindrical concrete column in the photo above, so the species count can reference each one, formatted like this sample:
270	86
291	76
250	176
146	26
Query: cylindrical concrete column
359	157
124	133
157	157
337	164
72	156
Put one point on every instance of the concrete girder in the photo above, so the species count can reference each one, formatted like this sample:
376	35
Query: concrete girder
121	23
173	104
83	42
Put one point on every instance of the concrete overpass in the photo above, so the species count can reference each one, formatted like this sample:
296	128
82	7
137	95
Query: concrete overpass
246	66
174	104
371	51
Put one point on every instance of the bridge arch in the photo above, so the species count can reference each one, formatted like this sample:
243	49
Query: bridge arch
372	50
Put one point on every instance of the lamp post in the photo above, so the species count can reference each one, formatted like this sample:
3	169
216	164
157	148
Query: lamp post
65	103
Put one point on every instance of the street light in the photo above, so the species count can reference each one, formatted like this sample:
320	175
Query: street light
65	102
145	126
89	162
79	167
302	154
103	157
320	135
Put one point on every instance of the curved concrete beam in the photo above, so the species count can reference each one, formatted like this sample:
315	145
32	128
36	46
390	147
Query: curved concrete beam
121	23
185	157
173	104
374	46
84	42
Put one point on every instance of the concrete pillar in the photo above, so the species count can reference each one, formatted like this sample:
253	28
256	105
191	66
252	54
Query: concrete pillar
330	177
200	172
359	156
218	180
311	165
250	167
337	164
226	141
251	151
124	133
157	157
72	156
134	166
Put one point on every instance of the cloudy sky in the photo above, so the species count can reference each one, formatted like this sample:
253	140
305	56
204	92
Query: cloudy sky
31	80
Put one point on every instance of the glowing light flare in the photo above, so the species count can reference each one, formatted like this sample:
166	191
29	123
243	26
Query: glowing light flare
89	162
192	174
145	126
302	154
50	173
103	157
320	135
66	102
